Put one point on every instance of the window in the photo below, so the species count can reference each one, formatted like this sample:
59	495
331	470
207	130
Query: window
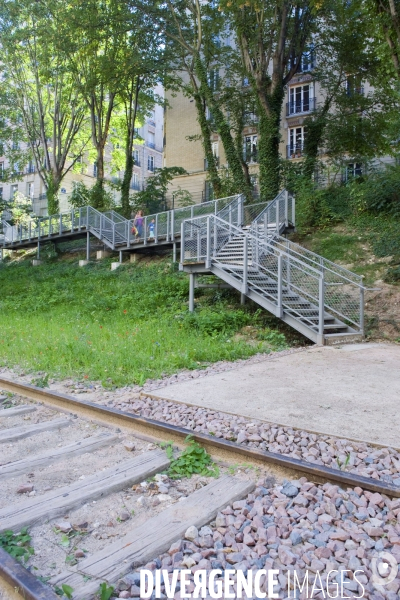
296	138
215	149
1	193
353	170
95	169
1	170
354	85
150	163
152	118
30	189
135	182
151	140
300	99
254	185
136	158
213	79
31	167
14	190
250	149
15	145
208	192
307	61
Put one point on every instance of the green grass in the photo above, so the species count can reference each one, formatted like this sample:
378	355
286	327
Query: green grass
120	326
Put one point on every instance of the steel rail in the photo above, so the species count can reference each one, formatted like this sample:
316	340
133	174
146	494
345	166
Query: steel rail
220	448
20	580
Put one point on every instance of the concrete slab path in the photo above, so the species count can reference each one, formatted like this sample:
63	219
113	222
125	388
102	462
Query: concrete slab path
350	391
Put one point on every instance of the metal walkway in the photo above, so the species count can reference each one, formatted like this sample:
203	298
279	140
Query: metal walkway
109	227
241	244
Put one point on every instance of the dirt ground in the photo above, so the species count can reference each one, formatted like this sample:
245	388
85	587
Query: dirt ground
382	311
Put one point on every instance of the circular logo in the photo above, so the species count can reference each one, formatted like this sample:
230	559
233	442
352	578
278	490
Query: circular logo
384	569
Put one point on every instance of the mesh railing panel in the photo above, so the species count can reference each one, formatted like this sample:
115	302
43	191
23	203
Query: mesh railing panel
251	211
274	216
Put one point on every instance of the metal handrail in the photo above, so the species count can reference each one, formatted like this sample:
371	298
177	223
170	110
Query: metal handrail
319	261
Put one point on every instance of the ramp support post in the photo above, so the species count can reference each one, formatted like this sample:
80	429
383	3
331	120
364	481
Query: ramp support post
87	245
192	281
174	252
321	320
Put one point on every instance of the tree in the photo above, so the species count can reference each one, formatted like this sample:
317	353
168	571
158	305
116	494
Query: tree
352	121
388	21
271	38
44	100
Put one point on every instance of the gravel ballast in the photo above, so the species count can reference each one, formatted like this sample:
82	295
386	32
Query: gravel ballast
354	457
297	527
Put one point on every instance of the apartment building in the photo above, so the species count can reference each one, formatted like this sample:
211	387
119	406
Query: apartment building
183	147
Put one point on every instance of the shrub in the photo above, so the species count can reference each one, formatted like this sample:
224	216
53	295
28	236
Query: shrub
382	191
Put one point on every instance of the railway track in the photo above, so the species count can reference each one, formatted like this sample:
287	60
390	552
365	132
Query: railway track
81	460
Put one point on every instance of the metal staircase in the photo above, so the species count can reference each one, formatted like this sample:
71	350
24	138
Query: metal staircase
314	296
240	243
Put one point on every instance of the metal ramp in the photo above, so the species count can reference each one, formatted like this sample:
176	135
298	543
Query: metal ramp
318	298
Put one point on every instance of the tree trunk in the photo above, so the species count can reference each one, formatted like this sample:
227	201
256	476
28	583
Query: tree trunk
315	132
126	182
224	131
131	107
97	192
53	203
268	145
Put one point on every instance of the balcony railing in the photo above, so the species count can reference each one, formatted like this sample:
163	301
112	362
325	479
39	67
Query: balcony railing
135	185
355	91
295	150
216	158
151	122
300	106
30	169
151	145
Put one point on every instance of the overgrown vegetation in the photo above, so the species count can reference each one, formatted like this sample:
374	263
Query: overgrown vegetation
194	459
347	222
121	326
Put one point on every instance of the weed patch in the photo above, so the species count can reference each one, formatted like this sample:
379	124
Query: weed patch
17	544
194	459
